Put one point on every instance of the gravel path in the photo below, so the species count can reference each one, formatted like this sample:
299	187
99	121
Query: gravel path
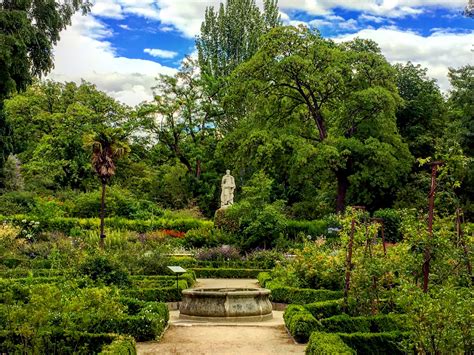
260	338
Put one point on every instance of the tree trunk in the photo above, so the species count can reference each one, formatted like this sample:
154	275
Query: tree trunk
198	168
102	215
342	185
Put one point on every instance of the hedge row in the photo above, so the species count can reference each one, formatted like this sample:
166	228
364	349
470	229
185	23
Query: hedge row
157	294
376	343
148	324
64	224
325	343
190	262
227	273
375	324
55	341
20	273
286	294
299	322
122	345
314	228
325	309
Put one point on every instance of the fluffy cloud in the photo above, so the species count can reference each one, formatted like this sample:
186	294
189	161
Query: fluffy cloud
84	53
437	52
160	53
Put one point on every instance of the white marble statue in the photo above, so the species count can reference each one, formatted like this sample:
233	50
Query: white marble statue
228	187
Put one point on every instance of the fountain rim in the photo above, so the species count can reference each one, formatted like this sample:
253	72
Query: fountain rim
226	291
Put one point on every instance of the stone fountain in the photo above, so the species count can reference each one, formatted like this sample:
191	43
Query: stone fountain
226	304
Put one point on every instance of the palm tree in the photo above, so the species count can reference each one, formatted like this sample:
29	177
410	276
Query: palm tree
107	146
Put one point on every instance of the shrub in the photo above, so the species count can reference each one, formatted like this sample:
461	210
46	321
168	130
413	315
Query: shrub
345	324
266	259
224	252
325	309
376	343
227	273
286	294
300	323
263	278
158	294
122	345
203	237
392	220
325	343
17	203
102	269
314	228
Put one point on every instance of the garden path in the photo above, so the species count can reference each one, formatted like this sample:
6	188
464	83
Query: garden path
255	338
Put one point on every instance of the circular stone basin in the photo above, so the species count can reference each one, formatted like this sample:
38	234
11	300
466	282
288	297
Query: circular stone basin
226	304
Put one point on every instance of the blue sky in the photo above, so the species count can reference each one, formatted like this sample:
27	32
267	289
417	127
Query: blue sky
124	44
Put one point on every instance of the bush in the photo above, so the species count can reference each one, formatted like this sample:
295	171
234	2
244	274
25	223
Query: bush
392	220
203	237
325	309
222	253
102	269
122	345
345	324
55	341
266	259
314	228
158	294
263	278
286	294
17	203
376	343
300	323
325	343
227	273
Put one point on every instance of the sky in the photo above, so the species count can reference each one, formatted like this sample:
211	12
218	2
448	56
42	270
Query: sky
123	45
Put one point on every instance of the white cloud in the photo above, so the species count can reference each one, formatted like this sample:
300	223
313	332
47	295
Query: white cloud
437	52
83	53
125	27
107	8
160	53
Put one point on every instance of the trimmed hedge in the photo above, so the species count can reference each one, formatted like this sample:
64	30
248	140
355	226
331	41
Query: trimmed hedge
376	324
64	224
158	294
123	345
300	322
227	273
326	343
325	309
56	341
376	343
263	278
18	273
314	228
148	324
286	294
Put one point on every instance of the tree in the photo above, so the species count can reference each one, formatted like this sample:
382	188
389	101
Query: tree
231	35
29	29
341	98
48	122
421	118
107	146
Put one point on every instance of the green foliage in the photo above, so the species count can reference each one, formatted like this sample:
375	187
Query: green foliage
16	202
12	178
391	220
377	324
204	237
300	323
102	269
122	345
325	309
440	318
286	294
263	278
313	229
325	343
376	343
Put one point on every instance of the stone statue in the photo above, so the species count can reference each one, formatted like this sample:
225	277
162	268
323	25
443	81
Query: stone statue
228	187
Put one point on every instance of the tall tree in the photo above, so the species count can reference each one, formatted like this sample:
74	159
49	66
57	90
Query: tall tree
344	97
106	146
421	118
28	31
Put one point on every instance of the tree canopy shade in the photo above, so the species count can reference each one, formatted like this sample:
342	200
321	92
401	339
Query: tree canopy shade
341	98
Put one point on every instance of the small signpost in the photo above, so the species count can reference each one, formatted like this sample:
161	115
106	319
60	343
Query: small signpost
177	270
